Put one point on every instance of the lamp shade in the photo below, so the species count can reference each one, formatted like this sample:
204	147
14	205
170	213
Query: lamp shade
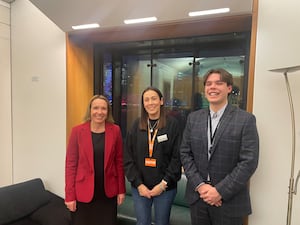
286	69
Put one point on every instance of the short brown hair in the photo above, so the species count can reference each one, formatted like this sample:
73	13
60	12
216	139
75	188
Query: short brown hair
109	118
224	75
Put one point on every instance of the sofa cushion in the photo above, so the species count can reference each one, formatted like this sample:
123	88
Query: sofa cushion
180	215
53	213
126	210
180	196
19	200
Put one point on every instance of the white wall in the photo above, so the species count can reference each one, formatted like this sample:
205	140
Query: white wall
5	97
38	96
277	46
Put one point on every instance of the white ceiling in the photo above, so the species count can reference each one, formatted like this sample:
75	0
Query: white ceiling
111	13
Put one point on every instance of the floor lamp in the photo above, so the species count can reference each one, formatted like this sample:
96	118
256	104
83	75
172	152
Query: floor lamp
292	186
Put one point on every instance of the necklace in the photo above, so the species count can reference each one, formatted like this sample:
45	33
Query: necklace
99	128
152	127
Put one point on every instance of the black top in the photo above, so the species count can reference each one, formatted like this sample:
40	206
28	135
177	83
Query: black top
98	144
166	153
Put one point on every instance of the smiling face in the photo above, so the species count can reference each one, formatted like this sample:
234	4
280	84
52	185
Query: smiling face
152	104
216	91
99	111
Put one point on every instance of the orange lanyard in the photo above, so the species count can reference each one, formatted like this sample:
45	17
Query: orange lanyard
151	141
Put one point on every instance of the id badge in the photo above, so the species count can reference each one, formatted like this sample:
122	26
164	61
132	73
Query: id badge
162	138
150	162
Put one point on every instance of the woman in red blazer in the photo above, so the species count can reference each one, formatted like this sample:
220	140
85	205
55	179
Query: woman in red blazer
94	175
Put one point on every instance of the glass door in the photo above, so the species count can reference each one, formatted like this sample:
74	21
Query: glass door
175	66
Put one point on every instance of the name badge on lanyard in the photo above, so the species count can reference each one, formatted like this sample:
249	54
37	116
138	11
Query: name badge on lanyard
149	161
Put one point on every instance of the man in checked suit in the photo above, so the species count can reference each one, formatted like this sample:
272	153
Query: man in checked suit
219	154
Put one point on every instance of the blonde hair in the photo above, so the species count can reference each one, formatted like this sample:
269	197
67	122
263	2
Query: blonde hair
109	118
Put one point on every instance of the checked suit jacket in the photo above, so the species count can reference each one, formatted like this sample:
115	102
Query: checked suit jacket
234	157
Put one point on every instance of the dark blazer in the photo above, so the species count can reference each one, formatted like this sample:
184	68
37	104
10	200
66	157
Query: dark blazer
166	152
80	163
234	157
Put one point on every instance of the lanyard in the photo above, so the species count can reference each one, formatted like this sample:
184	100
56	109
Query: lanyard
151	141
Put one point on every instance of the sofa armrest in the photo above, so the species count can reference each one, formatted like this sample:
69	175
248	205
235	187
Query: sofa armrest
53	213
20	200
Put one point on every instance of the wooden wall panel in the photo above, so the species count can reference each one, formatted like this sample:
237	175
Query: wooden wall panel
79	81
252	57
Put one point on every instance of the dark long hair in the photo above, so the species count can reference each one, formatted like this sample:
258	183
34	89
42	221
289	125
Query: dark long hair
144	115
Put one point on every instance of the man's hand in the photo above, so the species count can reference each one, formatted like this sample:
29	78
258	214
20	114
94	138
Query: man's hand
210	195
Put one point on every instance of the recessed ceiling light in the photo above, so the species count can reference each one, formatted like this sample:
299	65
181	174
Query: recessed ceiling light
140	20
86	26
209	12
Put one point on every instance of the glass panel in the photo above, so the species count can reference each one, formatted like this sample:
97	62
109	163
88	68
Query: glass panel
135	78
173	76
176	67
107	80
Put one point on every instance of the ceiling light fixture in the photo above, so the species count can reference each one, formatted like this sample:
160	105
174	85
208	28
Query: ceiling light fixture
140	20
86	26
209	12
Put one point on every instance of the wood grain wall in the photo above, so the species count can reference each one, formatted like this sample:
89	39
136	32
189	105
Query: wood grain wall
80	75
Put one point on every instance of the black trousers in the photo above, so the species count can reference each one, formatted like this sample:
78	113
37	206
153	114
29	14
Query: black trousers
204	214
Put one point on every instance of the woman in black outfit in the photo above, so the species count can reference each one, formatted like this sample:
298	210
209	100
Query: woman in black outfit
151	160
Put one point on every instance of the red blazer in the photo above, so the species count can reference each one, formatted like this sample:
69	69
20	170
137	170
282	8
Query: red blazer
79	171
